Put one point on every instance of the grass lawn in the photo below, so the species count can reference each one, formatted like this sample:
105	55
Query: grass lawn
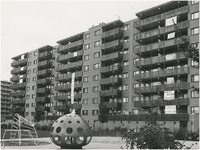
39	132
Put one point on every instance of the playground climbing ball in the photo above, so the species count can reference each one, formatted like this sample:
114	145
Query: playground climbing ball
71	131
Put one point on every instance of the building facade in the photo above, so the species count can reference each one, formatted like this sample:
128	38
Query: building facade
133	67
5	99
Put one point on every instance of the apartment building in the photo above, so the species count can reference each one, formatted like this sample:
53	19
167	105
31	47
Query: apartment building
134	67
5	99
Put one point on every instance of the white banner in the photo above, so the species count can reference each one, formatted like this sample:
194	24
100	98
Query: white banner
170	109
168	95
170	56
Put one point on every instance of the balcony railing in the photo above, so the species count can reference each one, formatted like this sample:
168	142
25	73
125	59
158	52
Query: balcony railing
18	86
44	81
115	105
68	96
74	55
67	77
113	68
117	44
18	94
144	117
112	80
110	93
44	99
45	55
43	90
21	101
14	79
166	87
44	64
45	72
17	109
71	106
67	87
154	103
117	33
21	70
66	67
20	63
117	56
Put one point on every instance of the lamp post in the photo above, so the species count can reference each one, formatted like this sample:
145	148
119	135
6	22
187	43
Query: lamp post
45	115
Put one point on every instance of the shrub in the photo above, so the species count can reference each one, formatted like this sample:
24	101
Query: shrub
38	126
181	134
194	136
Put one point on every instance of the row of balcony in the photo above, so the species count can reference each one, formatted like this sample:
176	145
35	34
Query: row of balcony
45	72
44	64
155	103
110	93
44	81
117	56
67	87
18	86
43	99
70	66
163	87
19	63
112	105
67	77
5	93
21	70
66	97
117	44
144	117
43	90
16	78
70	47
111	69
17	110
147	36
20	101
112	34
71	106
18	94
69	56
162	73
111	81
160	59
45	55
159	17
162	45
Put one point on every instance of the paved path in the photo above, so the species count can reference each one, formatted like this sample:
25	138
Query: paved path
96	143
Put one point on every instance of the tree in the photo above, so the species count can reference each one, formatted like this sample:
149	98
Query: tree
103	113
38	114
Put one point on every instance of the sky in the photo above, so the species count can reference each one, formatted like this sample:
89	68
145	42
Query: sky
28	25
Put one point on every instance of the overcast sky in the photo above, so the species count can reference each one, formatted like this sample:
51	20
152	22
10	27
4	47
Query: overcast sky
28	25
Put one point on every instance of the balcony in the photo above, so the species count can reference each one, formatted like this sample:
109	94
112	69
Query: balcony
19	71
162	87
155	103
43	99
44	64
67	77
43	90
45	48
117	44
45	55
112	25
144	117
44	73
71	106
44	81
154	61
115	105
18	94
18	86
114	57
71	47
72	67
111	69
70	56
112	34
19	63
111	81
17	110
14	79
162	73
110	93
21	101
68	97
67	87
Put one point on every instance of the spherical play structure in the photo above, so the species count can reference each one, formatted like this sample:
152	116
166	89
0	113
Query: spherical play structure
71	131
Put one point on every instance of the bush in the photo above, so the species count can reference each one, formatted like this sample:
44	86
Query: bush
38	127
181	134
194	136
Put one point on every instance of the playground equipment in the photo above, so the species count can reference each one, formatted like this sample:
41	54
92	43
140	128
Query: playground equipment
21	128
71	131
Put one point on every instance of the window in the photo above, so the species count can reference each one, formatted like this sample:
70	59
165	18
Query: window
86	68
195	2
32	104
35	53
29	71
85	90
33	96
97	55
135	86
195	31
96	66
195	78
86	57
195	15
29	63
194	94
125	75
195	110
33	87
87	36
96	89
85	101
29	55
94	112
27	104
97	32
135	60
95	77
34	79
97	43
195	63
126	51
27	113
126	39
27	96
95	100
28	88
34	70
87	46
126	27
125	87
85	112
125	100
85	79
135	98
136	73
28	80
125	63
35	62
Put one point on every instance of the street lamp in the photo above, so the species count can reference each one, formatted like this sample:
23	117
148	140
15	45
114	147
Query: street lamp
45	115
